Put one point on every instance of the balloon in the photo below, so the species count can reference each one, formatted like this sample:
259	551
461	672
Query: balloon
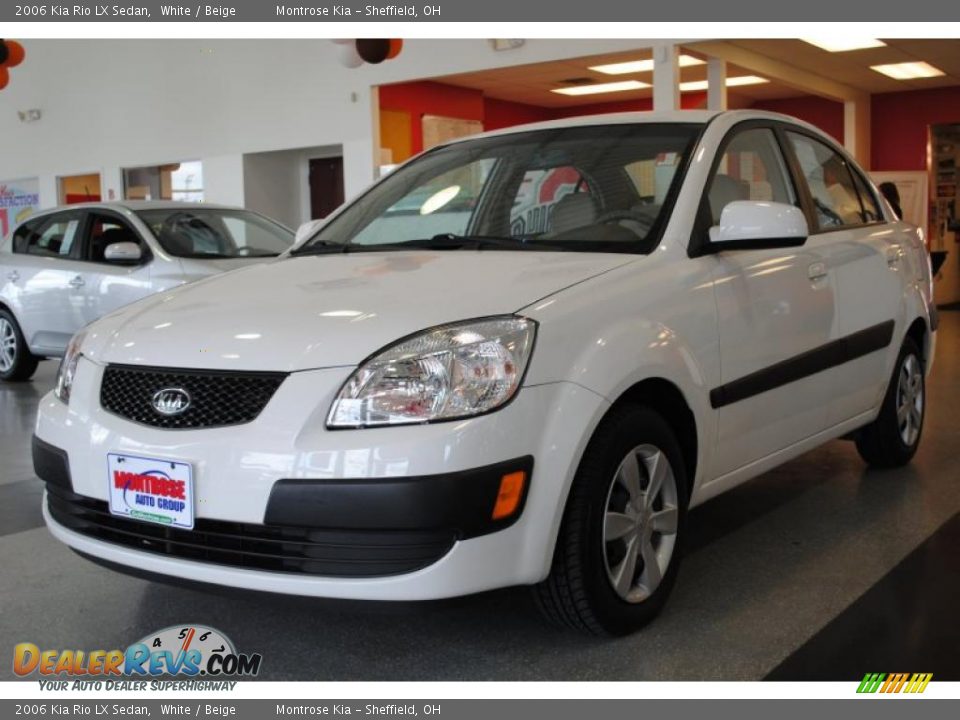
396	45
15	53
373	51
4	52
4	77
348	56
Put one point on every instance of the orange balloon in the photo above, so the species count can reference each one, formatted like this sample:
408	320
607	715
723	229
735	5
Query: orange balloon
396	45
4	77
17	53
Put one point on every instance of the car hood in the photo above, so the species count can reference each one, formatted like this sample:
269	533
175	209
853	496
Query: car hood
329	310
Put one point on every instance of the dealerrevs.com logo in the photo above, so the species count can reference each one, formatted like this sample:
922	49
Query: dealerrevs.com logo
887	683
179	650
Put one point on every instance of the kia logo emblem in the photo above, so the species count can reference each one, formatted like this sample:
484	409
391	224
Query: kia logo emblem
171	401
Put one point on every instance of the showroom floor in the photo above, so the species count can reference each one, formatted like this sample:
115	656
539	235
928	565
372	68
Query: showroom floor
817	570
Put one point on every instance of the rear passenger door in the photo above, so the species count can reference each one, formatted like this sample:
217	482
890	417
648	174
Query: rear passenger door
49	281
867	257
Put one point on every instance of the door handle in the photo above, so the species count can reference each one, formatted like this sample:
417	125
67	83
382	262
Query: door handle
13	276
817	270
894	253
77	282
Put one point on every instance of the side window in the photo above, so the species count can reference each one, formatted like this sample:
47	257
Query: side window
56	237
106	230
751	168
27	234
871	210
828	176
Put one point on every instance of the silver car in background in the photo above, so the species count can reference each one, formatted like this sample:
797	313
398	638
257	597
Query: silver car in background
64	268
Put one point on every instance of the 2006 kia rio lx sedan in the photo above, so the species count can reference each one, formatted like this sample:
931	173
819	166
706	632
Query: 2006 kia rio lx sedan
518	359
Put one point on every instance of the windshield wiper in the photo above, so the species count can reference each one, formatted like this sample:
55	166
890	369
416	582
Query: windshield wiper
443	241
452	241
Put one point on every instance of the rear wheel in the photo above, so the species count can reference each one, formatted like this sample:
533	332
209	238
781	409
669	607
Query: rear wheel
619	545
16	361
892	439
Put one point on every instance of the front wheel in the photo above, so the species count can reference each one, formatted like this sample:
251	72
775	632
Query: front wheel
16	361
619	545
892	439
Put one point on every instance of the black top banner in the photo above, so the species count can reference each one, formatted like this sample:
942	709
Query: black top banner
484	10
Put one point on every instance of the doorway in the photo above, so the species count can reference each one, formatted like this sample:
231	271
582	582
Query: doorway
326	186
943	229
79	188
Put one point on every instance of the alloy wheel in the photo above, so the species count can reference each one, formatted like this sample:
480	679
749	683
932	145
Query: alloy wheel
8	345
641	520
910	400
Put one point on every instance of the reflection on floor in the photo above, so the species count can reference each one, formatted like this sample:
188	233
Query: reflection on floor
818	569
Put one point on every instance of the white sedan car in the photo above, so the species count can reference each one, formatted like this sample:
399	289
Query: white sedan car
63	268
578	331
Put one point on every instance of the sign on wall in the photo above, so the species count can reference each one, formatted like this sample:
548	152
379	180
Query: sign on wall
18	200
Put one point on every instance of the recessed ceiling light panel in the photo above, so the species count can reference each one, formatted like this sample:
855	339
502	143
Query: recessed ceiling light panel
908	70
844	44
738	81
638	66
599	88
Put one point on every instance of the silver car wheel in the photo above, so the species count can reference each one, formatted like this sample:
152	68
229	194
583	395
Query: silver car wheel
910	400
640	523
8	345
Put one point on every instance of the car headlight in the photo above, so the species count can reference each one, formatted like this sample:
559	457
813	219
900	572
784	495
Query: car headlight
68	367
448	372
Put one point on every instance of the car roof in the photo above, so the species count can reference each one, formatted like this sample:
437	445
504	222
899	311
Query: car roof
644	117
136	205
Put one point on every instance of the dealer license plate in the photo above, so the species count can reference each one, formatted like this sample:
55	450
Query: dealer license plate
151	489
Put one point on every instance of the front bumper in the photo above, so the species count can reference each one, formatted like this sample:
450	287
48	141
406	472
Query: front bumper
407	508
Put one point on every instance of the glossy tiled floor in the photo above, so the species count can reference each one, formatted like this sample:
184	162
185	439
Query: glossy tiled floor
817	569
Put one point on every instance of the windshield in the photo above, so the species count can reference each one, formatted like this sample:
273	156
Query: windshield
216	233
603	188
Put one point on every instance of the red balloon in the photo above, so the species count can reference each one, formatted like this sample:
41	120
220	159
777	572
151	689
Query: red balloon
16	53
396	45
373	51
4	77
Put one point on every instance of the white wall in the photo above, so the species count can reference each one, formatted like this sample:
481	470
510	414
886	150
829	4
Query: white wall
277	183
109	104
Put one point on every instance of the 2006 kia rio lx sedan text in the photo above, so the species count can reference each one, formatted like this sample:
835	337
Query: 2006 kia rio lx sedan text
518	359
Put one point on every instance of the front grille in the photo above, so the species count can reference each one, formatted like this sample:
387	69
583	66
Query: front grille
310	551
217	398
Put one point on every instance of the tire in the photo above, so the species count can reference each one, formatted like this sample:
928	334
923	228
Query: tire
892	439
580	591
16	362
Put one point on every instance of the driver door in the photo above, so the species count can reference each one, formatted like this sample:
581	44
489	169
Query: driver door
776	308
111	285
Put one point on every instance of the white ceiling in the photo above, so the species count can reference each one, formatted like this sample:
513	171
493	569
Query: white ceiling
531	84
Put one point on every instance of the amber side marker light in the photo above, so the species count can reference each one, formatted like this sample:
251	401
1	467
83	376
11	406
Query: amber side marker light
508	498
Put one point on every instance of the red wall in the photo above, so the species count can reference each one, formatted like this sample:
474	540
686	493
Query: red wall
825	114
503	113
899	122
431	98
434	98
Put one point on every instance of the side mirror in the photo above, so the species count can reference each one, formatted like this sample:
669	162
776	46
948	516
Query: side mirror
123	252
307	229
755	225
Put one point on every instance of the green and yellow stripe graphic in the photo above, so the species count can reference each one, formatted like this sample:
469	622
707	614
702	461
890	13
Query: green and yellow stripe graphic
894	682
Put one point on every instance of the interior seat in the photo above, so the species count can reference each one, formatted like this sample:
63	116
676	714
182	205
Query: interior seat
573	211
98	244
723	191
